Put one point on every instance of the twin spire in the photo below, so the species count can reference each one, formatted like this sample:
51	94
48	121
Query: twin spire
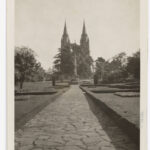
84	40
83	30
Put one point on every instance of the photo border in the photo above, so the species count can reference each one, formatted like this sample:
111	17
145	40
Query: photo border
10	73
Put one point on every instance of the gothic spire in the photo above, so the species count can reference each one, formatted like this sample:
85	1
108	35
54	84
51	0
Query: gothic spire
84	28
84	41
65	29
65	37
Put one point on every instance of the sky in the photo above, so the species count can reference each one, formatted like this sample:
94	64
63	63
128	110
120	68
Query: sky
113	26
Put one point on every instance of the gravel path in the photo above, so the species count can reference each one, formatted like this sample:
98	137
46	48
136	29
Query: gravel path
71	123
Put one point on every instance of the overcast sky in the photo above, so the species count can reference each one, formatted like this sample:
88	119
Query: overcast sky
112	26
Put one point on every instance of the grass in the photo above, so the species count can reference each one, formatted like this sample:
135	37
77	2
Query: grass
26	103
26	106
104	89
127	107
126	102
111	88
44	86
127	94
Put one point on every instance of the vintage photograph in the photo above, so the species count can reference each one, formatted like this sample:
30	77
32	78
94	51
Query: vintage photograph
77	75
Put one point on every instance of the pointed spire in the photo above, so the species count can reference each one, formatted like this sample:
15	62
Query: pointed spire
84	28
65	28
65	37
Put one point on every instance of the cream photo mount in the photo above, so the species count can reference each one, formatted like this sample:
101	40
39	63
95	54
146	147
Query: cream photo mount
10	73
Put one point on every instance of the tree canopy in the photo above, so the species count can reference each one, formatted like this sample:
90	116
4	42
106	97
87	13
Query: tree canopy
26	66
118	68
133	65
64	62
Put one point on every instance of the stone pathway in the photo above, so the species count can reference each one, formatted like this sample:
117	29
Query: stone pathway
69	124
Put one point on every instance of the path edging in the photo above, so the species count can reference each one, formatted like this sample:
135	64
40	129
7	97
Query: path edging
129	128
26	117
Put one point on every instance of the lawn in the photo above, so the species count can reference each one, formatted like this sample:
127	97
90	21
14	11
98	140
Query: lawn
124	101
104	89
127	107
43	86
26	106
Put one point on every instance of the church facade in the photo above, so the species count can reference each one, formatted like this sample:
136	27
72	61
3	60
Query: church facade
81	52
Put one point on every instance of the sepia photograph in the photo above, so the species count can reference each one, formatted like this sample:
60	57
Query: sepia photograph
77	75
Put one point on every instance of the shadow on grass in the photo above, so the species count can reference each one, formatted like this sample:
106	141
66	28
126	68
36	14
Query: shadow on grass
35	93
119	139
28	106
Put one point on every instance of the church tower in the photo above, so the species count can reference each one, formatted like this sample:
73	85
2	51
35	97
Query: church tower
65	38
84	41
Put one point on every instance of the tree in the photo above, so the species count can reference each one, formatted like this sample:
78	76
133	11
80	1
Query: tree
113	70
64	63
67	63
48	74
39	74
25	64
84	62
84	66
133	65
57	62
100	62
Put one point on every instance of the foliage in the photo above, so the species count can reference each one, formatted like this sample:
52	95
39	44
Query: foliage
84	62
113	70
39	74
118	68
48	74
63	63
100	62
133	65
26	66
84	66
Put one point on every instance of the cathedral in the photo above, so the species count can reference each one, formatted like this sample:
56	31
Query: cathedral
83	60
84	41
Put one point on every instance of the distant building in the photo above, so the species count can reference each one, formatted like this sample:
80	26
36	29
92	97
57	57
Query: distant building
82	51
65	38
